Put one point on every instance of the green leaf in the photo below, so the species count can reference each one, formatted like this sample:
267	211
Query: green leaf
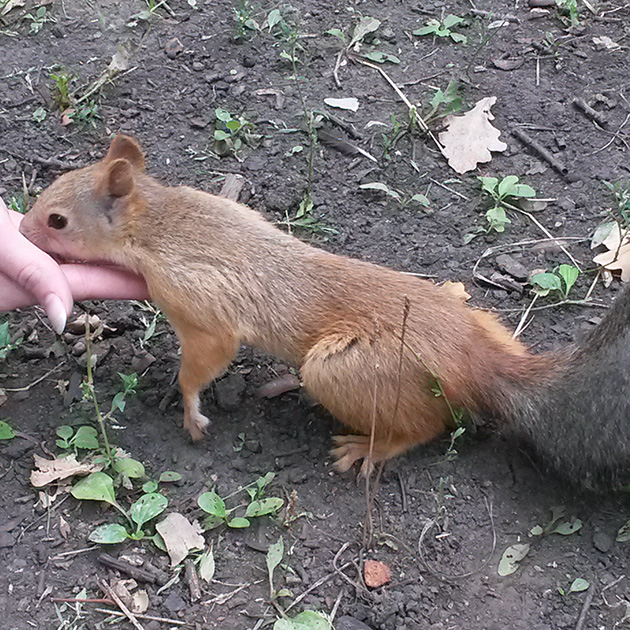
306	620
6	431
537	530
158	541
602	233
274	555
219	135
222	114
523	190
382	187
274	18
365	26
39	115
452	20
110	534
623	534
130	467
86	437
118	402
263	507
569	274
567	528
148	506
97	486
336	33
511	557
212	503
488	184
233	125
149	487
545	282
497	218
168	476
380	57
430	28
423	200
506	187
64	432
578	585
458	38
206	566
211	521
238	523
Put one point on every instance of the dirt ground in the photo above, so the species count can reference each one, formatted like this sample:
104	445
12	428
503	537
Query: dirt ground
443	516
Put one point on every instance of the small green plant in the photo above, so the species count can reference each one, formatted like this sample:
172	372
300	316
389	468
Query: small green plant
6	344
61	90
19	202
246	25
560	280
99	486
147	14
621	194
502	193
230	132
418	198
6	431
363	35
86	114
218	512
569	8
443	29
39	115
85	437
444	102
38	19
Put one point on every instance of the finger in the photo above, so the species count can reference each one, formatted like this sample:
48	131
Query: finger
91	282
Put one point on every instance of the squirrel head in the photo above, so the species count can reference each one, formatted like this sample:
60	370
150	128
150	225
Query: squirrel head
90	214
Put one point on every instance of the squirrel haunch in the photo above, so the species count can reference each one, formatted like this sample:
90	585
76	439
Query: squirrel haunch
371	343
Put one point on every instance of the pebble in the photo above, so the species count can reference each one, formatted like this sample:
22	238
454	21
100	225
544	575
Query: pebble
602	542
173	48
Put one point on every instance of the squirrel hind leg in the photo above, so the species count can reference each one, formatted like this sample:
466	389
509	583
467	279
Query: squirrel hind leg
204	357
352	448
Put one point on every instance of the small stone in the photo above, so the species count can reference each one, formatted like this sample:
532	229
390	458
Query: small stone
249	62
602	542
57	32
512	267
350	623
174	603
229	391
198	66
6	540
173	48
198	122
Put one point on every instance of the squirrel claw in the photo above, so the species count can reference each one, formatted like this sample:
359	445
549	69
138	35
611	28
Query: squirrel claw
352	448
196	424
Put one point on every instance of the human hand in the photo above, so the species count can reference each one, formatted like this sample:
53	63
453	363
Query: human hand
30	276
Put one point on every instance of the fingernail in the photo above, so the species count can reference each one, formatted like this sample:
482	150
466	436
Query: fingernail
56	313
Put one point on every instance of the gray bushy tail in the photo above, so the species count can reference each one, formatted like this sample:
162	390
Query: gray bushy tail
578	417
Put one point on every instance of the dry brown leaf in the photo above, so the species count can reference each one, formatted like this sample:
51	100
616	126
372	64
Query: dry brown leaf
180	536
51	470
12	4
618	256
376	573
64	528
470	138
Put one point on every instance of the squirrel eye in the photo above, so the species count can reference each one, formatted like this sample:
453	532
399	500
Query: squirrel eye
57	221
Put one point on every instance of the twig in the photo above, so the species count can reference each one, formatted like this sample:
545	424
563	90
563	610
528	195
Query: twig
36	381
192	579
544	153
119	602
587	604
403	493
117	613
317	584
614	137
128	569
441	185
591	113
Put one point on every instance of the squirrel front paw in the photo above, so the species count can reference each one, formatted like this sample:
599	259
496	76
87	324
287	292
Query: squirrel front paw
196	424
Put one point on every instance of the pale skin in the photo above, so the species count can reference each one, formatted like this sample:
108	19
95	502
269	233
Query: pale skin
29	276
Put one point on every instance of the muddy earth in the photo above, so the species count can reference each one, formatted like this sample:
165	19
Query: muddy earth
74	73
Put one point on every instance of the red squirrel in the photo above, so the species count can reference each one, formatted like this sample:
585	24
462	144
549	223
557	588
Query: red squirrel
371	343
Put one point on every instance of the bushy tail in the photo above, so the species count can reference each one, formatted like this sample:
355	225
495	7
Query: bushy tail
576	411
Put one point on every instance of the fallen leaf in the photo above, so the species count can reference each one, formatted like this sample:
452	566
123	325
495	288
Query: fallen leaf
470	138
376	573
511	557
180	536
618	244
508	64
64	528
12	4
605	43
139	602
351	104
51	470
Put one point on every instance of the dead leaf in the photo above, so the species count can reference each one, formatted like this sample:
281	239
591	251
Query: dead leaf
605	43
617	242
51	470
376	573
351	104
180	536
64	528
139	602
470	138
509	63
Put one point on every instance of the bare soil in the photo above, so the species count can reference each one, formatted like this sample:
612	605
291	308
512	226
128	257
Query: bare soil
441	518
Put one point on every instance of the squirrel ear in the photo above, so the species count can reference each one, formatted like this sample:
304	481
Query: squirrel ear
117	179
127	148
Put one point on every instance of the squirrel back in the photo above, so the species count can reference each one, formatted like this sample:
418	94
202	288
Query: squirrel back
389	354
